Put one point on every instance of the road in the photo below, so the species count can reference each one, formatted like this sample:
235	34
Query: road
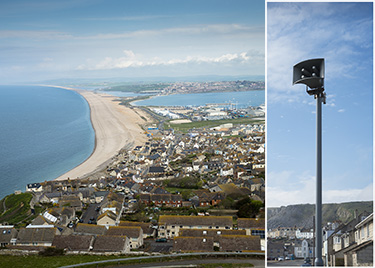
194	263
90	213
298	262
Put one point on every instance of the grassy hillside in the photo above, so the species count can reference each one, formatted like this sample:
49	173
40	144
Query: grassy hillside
302	215
15	209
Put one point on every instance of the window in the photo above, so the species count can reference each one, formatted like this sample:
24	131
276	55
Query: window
204	232
368	230
219	232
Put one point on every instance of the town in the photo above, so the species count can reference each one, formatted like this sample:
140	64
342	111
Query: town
344	244
199	190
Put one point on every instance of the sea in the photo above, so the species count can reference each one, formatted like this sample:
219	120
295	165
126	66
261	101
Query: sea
240	99
44	132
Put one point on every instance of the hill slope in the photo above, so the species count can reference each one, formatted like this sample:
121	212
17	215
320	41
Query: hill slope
302	215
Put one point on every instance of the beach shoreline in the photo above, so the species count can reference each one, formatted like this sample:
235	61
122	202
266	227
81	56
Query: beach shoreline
116	127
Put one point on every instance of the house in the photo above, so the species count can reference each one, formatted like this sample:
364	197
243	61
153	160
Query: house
60	215
254	227
89	229
71	201
134	233
275	249
36	236
41	220
108	218
336	250
209	233
98	196
169	225
304	233
34	187
304	249
147	228
106	243
235	243
207	198
8	235
193	244
169	200
73	242
360	253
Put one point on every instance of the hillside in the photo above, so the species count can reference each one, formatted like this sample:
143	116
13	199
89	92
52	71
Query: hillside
302	215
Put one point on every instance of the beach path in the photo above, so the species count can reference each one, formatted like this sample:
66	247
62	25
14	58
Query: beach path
115	126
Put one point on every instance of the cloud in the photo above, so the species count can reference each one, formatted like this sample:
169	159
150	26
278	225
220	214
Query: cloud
341	110
238	30
23	34
130	59
330	37
301	189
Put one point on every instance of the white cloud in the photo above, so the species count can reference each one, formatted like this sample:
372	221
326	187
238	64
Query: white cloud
329	37
341	110
304	190
23	34
135	60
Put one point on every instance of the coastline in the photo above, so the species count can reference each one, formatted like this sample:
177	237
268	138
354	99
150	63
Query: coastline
115	126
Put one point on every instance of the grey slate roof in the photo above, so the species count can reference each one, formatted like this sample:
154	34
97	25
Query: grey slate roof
129	231
6	234
93	229
239	243
106	243
213	221
250	223
73	242
36	235
191	244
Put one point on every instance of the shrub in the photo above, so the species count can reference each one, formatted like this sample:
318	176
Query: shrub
51	251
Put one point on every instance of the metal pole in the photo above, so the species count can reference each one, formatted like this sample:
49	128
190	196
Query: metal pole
318	219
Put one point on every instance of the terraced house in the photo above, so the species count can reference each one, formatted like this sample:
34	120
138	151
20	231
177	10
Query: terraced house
169	226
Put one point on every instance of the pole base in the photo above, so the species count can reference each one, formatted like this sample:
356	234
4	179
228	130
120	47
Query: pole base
318	262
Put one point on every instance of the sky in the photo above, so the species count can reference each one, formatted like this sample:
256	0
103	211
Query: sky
46	39
342	34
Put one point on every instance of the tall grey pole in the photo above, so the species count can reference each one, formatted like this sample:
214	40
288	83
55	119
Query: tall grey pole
318	219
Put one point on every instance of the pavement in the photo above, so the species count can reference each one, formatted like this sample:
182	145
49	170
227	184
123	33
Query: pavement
287	263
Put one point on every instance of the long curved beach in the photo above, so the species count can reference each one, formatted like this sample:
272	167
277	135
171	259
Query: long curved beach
115	127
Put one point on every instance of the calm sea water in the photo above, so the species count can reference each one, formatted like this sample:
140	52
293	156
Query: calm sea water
241	99
44	132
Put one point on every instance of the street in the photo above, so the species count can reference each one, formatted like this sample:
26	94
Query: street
298	262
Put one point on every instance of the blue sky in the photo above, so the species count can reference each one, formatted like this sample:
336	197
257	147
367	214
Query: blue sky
93	38
342	34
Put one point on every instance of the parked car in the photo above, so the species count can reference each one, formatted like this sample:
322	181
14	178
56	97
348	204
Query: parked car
307	262
161	240
280	258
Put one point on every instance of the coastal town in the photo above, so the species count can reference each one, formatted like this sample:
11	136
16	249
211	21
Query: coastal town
344	243
197	190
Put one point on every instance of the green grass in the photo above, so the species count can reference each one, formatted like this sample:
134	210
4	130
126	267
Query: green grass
17	208
212	123
225	265
35	261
